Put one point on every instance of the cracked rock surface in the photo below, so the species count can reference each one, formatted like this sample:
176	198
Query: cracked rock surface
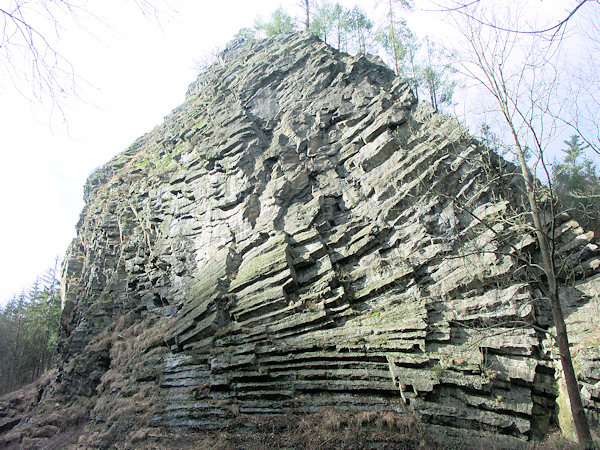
303	234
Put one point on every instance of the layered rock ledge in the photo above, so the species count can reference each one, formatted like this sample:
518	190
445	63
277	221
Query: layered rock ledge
302	234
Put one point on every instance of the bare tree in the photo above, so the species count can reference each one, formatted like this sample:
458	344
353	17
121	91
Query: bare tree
519	73
306	6
30	49
579	20
469	9
583	91
211	56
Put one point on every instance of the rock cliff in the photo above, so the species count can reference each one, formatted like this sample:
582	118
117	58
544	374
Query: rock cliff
300	235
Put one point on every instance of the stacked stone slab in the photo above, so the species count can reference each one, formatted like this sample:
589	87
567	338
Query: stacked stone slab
315	237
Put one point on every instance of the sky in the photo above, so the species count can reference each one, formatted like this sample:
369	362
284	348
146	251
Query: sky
131	70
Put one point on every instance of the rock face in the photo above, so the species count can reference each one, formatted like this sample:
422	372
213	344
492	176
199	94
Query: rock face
303	234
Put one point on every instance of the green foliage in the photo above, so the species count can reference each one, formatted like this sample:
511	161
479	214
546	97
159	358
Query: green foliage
577	185
490	139
434	76
321	25
281	22
331	21
348	29
429	74
394	38
340	25
28	332
407	4
246	33
360	27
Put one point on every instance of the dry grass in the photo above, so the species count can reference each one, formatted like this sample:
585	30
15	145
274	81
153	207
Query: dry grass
45	420
20	403
333	428
118	414
128	390
555	441
329	428
121	404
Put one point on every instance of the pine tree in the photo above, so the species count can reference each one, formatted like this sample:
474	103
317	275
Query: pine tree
434	76
360	29
577	185
281	22
28	332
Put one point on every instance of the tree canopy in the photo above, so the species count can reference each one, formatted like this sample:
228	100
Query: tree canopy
281	22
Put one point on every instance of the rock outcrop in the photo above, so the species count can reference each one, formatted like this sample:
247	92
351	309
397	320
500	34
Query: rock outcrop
302	234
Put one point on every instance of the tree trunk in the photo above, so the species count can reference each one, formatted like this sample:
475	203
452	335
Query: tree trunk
393	39
307	9
433	95
562	339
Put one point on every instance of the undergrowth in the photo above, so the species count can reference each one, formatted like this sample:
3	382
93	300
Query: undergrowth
328	428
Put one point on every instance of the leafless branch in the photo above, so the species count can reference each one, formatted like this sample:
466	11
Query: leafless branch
464	8
30	54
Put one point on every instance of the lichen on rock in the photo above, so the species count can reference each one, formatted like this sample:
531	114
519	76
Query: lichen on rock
302	234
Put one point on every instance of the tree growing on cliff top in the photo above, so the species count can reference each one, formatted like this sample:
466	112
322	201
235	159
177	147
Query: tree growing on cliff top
360	29
307	6
281	22
390	36
331	22
435	75
347	29
322	21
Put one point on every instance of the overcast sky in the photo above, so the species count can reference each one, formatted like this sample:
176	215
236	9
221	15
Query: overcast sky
132	70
